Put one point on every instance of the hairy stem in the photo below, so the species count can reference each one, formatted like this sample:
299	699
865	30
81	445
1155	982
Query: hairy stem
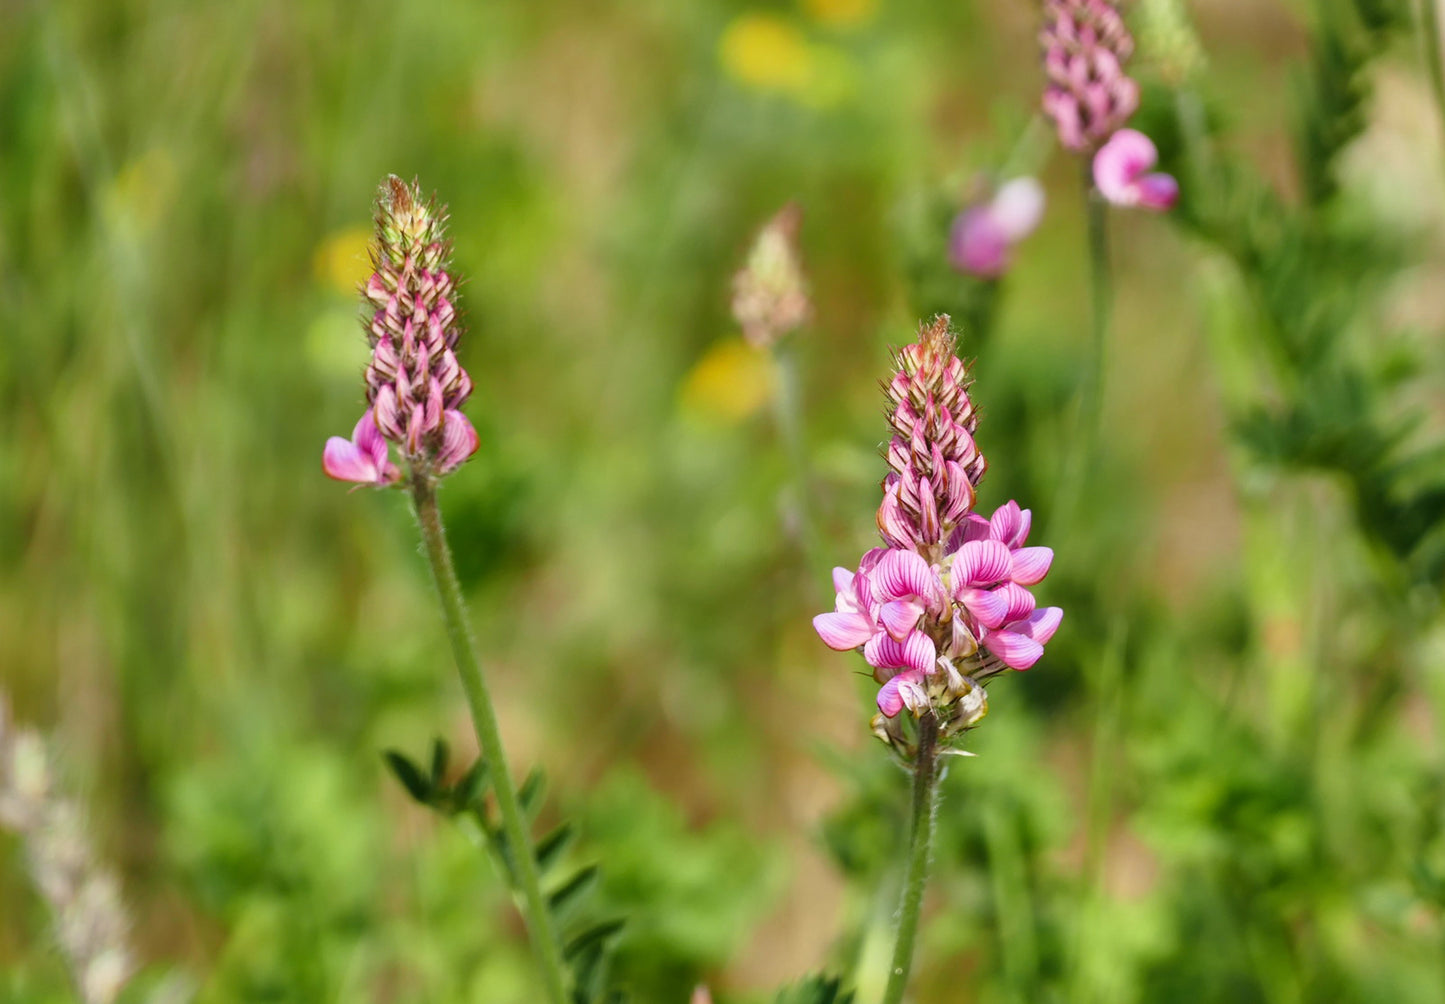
489	737
920	845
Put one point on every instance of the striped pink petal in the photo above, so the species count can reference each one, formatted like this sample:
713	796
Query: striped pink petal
917	651
1031	564
980	563
842	631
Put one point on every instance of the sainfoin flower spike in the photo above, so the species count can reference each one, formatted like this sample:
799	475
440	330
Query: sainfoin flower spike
415	386
1085	46
770	293
1122	175
946	604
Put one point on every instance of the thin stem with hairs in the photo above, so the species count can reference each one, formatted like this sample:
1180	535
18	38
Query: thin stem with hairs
489	737
920	847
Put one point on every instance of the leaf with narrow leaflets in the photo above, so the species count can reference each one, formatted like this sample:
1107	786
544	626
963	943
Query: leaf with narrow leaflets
468	791
439	756
410	776
569	891
550	847
817	990
593	935
588	969
530	794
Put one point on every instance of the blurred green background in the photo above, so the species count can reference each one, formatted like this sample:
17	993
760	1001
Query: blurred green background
1224	782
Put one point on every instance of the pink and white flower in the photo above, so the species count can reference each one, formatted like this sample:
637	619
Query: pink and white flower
362	458
982	237
1121	173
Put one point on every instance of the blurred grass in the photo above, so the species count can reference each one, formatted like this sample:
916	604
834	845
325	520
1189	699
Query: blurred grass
1224	782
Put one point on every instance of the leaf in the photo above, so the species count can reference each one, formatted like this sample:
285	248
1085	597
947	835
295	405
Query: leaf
439	756
593	935
467	792
572	889
550	847
410	776
529	795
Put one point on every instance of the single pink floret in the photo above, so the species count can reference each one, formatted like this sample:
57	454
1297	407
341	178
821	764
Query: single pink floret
1119	173
362	458
983	236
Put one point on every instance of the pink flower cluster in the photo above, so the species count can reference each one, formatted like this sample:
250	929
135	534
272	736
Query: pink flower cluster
414	384
946	604
1090	98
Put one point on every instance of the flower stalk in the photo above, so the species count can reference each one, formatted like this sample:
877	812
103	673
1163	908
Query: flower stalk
415	388
920	848
489	736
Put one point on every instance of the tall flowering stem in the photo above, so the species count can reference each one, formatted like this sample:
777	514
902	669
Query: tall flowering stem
944	606
920	848
415	387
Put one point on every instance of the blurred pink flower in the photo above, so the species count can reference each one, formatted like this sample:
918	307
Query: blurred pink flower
983	235
1086	45
1119	173
362	458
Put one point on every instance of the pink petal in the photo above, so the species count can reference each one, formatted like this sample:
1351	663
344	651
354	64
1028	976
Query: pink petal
905	573
1007	521
899	617
1040	625
1018	207
917	651
904	689
987	606
1018	602
842	631
1031	564
1120	162
1158	191
459	441
1014	650
369	440
890	702
344	461
980	563
978	244
843	586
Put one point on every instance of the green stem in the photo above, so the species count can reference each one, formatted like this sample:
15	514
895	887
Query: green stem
1101	302
489	737
788	413
920	844
1430	35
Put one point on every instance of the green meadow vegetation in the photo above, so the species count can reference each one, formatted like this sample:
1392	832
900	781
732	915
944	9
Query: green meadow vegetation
1223	782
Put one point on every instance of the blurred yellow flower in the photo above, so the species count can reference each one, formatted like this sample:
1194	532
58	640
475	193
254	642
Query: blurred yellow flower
840	13
730	382
341	260
767	52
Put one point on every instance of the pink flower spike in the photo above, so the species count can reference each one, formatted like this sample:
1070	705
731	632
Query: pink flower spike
1119	173
362	458
459	441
